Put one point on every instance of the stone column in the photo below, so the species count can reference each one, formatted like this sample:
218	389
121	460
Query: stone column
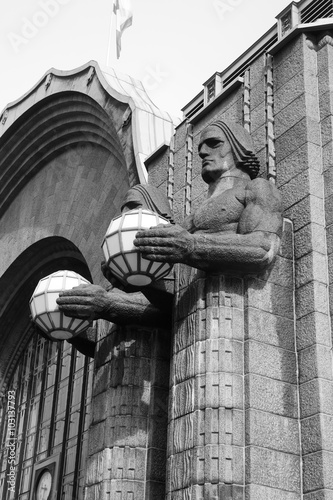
233	417
272	425
303	119
127	437
206	428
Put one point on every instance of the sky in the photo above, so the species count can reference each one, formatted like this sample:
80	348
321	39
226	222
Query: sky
173	46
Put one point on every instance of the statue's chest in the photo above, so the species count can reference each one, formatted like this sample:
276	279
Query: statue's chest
218	212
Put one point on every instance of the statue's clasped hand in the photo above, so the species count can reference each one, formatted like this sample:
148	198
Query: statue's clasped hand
170	243
84	302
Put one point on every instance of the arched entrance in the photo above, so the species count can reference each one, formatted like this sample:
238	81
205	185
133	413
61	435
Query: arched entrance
46	386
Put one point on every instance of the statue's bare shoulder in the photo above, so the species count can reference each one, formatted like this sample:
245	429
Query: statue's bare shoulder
263	208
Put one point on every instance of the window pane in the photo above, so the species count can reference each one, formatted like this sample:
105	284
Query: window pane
51	373
42	383
29	447
43	439
47	408
59	432
67	493
62	398
70	460
25	480
65	365
77	388
74	424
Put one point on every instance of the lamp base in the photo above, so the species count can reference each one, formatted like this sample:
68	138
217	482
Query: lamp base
60	335
138	280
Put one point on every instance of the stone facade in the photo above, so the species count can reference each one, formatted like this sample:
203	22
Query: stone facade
234	408
285	364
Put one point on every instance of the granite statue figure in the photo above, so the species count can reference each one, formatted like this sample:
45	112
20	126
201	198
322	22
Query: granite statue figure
236	229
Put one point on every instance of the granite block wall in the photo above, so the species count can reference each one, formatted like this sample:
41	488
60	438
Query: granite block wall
302	125
287	343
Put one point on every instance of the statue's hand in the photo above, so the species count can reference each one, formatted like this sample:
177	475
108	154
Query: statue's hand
165	243
93	302
85	302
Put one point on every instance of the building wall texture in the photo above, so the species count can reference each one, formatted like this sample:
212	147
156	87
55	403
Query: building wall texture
287	364
303	137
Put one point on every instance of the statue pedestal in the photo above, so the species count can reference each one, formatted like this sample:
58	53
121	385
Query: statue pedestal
127	445
233	420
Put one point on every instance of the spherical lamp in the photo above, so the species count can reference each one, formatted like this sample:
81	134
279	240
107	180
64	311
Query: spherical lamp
45	311
124	260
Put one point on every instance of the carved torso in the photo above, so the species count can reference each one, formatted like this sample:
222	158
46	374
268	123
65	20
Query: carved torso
218	213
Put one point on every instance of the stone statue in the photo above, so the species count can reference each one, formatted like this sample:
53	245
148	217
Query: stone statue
238	226
236	230
234	233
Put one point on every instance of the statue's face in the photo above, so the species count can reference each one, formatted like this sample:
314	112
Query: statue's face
216	154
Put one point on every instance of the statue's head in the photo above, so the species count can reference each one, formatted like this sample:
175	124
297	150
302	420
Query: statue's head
149	197
225	145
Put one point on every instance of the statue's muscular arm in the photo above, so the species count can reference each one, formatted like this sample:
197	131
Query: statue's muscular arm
94	302
252	248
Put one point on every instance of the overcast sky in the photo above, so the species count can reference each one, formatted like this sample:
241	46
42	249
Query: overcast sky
173	46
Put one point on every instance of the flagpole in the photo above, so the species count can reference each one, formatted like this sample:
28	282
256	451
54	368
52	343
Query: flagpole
110	34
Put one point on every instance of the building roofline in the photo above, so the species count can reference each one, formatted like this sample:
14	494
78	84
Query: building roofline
150	125
319	25
206	109
271	37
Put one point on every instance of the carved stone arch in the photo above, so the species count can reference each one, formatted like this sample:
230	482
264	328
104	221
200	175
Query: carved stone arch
63	173
70	149
141	126
19	281
58	123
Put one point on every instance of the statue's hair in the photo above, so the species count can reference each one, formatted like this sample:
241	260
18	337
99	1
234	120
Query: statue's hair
241	144
149	197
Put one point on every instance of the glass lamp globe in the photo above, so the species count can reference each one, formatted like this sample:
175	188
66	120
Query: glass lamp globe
124	260
45	311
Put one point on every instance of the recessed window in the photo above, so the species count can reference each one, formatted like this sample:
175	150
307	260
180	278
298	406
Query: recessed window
211	90
286	23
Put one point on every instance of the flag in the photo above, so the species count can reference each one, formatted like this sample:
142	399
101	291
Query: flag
123	12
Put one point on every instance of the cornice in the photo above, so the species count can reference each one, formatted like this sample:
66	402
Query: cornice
313	28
